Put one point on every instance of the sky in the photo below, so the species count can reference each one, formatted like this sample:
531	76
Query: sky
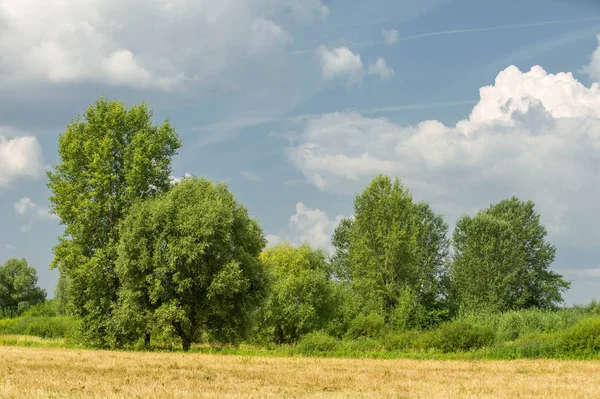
298	103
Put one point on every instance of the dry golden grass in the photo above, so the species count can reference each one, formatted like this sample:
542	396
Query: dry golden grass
62	373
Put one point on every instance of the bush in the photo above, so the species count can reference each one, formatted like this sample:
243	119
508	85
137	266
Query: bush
317	342
401	341
458	336
39	326
583	339
367	325
44	309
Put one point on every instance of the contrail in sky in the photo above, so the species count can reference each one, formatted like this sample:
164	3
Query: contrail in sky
473	30
493	28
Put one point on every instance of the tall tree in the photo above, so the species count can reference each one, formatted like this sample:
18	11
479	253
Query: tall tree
18	287
394	253
301	293
189	263
502	259
110	158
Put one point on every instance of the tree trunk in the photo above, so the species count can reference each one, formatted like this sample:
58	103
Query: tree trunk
186	343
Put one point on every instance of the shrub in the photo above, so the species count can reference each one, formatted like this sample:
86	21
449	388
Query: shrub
401	341
459	336
44	327
317	342
44	309
583	339
367	325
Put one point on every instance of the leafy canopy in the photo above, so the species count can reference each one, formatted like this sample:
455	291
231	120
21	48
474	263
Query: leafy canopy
188	262
18	288
109	159
300	296
394	254
502	259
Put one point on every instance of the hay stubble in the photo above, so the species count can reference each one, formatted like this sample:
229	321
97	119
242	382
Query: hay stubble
58	373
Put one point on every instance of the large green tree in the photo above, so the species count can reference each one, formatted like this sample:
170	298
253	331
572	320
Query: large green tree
502	260
18	287
301	293
109	159
394	254
188	262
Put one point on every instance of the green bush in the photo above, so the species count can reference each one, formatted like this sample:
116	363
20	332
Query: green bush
458	336
40	326
317	342
370	325
583	339
401	341
45	309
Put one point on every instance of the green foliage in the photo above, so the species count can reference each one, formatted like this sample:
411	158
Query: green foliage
109	159
369	325
460	336
502	260
47	308
40	326
583	338
300	298
188	261
18	288
394	255
316	342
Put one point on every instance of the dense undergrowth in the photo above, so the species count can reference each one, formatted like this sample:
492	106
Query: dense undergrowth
570	333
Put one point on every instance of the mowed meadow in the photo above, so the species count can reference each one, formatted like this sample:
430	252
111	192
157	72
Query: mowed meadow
27	372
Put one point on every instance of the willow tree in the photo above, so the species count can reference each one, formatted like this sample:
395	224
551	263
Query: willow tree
189	263
110	158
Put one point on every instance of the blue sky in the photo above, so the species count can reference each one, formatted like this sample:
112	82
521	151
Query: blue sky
297	103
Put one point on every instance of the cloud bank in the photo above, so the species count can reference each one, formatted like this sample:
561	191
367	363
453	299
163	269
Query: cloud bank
532	134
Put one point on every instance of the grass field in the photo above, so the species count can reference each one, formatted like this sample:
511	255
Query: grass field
43	372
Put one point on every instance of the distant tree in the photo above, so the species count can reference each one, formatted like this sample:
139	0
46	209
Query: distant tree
188	261
394	254
18	288
111	158
301	293
502	260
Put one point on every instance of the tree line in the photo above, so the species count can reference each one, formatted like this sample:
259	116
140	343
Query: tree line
142	255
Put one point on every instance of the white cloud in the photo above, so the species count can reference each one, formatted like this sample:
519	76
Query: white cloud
273	240
310	226
534	134
593	68
249	175
28	209
20	157
390	36
166	44
9	247
175	180
381	69
340	63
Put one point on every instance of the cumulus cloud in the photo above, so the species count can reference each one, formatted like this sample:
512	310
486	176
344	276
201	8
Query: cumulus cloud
390	36
593	68
167	44
532	134
340	63
20	158
310	226
175	180
380	68
33	212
